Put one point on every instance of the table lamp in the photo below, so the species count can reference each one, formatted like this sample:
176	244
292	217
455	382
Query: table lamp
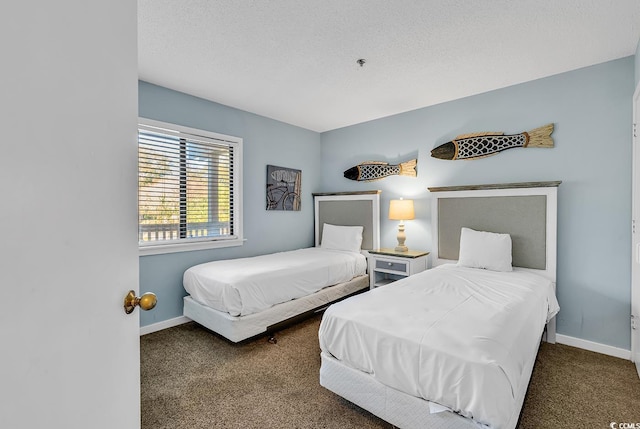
401	210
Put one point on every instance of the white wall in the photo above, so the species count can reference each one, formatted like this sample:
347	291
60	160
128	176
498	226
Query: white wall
637	63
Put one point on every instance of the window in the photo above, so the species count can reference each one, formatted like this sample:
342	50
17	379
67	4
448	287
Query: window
189	188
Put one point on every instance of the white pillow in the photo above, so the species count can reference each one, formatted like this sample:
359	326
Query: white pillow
488	250
341	237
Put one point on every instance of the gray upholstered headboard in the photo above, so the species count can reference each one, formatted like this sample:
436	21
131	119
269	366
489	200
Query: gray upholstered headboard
526	211
349	209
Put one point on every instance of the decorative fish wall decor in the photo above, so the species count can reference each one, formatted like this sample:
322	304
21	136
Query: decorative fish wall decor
480	145
375	170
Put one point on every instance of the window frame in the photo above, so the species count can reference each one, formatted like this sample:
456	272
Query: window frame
201	243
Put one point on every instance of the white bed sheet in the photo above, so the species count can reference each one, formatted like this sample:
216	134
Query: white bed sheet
459	337
249	285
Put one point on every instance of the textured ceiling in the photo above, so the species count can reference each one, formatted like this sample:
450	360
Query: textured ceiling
296	60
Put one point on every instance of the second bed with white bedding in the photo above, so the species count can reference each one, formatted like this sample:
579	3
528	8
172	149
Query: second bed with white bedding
249	285
460	337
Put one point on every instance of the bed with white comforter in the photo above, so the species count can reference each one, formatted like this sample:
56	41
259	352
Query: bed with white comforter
461	338
245	286
245	297
454	347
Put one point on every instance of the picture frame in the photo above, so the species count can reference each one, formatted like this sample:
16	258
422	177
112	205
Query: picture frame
284	187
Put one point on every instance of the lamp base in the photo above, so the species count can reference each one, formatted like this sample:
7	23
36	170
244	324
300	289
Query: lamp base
401	238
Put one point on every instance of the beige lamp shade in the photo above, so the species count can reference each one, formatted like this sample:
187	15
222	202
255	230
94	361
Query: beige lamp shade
401	210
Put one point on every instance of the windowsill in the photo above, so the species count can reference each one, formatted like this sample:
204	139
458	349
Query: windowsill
187	247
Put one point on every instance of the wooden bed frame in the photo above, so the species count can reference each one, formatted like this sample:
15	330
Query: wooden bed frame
344	208
527	211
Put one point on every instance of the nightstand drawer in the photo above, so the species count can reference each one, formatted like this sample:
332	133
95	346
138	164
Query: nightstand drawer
399	267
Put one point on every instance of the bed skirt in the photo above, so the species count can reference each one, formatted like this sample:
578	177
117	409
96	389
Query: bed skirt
238	328
398	408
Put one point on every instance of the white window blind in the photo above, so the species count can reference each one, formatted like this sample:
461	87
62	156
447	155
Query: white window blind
187	188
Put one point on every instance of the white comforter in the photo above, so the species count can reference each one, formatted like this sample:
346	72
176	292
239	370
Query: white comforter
248	285
456	336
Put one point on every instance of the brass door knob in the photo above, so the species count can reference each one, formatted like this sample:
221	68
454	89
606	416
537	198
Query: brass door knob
146	302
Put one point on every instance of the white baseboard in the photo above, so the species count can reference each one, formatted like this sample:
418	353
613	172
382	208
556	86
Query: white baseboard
144	330
593	347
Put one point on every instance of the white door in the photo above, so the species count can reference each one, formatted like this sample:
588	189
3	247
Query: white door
635	272
69	356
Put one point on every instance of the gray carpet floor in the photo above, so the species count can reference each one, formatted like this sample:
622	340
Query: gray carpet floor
191	378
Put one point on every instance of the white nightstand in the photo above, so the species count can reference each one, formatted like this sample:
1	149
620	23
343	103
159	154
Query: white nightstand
387	265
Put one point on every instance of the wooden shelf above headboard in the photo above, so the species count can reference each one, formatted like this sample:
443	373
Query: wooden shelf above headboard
552	184
324	194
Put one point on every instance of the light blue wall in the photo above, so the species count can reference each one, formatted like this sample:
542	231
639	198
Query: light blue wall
265	142
591	109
